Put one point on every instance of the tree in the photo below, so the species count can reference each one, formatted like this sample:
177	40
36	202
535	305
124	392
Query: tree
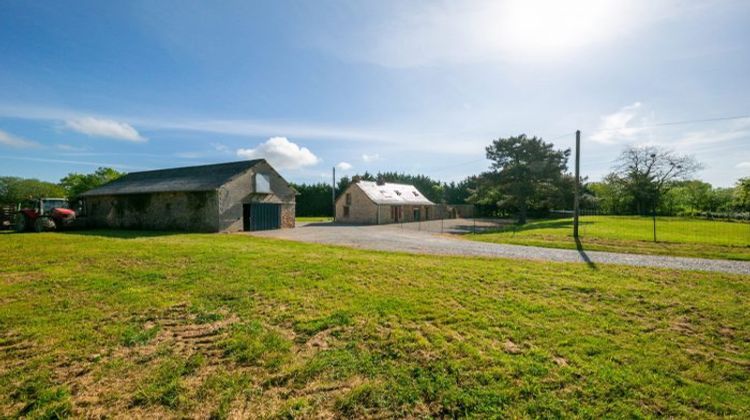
313	200
14	190
76	184
646	173
610	196
525	172
741	194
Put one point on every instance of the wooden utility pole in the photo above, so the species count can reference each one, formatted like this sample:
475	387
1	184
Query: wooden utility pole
577	194
333	194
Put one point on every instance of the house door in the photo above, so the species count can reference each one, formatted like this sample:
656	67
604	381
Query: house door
396	213
416	214
261	216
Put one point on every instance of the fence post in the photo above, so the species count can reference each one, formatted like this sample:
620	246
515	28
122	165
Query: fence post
577	191
653	216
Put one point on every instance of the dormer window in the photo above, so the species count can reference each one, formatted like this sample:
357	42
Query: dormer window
398	192
416	194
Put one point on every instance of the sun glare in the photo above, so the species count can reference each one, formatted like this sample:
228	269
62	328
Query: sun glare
533	27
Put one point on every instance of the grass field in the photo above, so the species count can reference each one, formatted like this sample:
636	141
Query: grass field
675	236
314	219
103	323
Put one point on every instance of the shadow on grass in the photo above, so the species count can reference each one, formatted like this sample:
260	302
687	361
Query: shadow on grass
122	233
584	256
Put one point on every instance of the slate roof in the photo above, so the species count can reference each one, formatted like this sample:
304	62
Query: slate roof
191	178
389	193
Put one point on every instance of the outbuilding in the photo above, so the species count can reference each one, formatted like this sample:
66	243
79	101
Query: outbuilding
374	203
226	197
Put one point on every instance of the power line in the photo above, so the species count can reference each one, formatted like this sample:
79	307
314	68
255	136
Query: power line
684	122
562	135
439	169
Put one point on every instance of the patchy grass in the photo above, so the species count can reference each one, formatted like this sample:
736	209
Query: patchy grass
96	324
317	219
676	236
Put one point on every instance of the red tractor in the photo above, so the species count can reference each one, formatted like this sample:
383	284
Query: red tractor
44	214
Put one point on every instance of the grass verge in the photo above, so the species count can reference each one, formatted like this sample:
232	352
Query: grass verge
675	236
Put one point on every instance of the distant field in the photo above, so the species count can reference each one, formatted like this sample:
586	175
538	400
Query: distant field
675	236
157	325
314	219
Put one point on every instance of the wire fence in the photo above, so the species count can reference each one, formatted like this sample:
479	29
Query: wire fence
732	229
707	228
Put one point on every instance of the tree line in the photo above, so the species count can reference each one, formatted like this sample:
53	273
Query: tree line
530	178
15	190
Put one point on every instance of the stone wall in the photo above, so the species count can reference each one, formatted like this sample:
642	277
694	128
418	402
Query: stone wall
180	211
241	190
287	216
361	210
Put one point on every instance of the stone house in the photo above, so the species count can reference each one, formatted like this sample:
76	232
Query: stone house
226	197
374	203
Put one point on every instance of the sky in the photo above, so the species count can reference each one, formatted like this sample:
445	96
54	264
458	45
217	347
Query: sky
420	87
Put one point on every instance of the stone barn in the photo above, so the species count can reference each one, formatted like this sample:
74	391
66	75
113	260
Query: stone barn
374	203
226	197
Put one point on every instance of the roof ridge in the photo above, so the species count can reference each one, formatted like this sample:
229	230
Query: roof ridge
252	162
185	178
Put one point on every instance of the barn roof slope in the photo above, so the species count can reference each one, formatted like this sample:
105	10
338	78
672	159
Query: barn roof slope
186	179
390	193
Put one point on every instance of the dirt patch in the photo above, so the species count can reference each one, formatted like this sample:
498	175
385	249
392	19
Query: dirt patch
560	361
14	350
511	347
683	326
102	386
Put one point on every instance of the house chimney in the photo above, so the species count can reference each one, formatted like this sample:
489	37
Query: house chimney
356	178
381	181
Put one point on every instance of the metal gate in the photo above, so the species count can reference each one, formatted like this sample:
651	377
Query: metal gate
261	216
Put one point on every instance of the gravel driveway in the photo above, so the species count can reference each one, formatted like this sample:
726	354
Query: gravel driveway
426	239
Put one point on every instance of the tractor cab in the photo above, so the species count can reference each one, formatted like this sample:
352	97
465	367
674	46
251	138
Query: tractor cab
43	214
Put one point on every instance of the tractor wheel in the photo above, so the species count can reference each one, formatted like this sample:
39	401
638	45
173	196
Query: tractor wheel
20	222
42	224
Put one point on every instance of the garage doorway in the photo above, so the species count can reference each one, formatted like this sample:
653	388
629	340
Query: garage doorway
261	216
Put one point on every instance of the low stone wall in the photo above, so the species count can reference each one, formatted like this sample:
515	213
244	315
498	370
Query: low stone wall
190	211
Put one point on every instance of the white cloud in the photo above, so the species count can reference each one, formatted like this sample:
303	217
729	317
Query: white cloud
99	127
281	153
617	126
370	158
7	139
743	165
412	139
220	147
344	166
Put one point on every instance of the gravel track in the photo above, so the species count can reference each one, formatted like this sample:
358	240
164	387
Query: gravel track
410	239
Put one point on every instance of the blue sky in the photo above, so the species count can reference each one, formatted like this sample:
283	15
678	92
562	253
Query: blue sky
418	87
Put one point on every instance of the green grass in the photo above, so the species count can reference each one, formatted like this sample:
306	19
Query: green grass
158	325
314	219
675	236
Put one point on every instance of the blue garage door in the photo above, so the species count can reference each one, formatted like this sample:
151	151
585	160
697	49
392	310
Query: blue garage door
261	216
